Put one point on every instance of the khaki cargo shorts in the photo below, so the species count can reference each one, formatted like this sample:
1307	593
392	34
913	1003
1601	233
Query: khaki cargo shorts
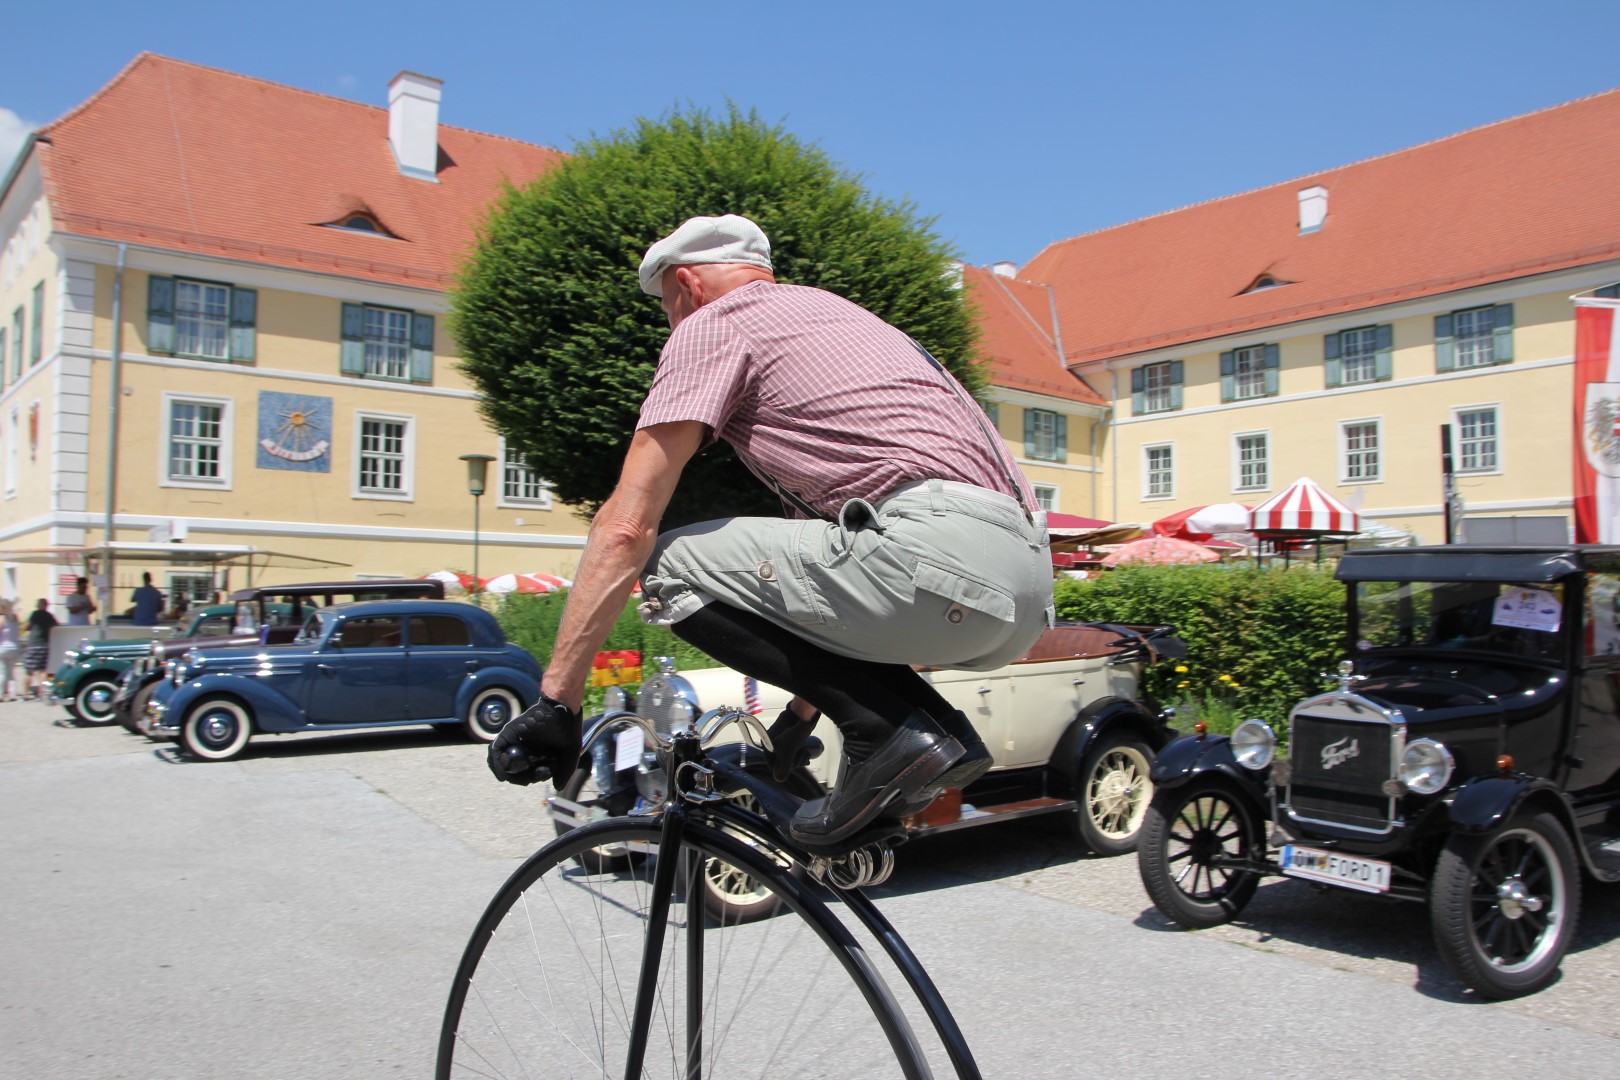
940	574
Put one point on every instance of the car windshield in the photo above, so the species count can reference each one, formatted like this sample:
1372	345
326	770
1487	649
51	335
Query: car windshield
1518	619
314	628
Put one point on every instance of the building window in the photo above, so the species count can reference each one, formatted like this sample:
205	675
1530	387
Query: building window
1046	435
1476	430
386	343
36	344
1156	387
1046	496
1362	355
384	457
197	451
1158	472
1357	349
17	344
1253	462
520	484
1361	451
1473	337
202	320
1250	372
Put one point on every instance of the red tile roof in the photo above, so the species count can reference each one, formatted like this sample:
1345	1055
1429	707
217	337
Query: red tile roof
179	156
1523	196
1015	323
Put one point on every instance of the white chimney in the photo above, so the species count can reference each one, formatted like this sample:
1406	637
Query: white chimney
413	124
1312	209
1004	269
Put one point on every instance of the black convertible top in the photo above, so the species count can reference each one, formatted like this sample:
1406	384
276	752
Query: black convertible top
1462	562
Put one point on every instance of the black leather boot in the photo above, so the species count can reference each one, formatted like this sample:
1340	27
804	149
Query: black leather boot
912	760
788	736
974	763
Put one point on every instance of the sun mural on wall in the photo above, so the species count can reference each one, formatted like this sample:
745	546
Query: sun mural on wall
295	432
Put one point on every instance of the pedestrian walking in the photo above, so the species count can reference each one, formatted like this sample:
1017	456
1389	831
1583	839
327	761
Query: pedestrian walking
10	647
38	651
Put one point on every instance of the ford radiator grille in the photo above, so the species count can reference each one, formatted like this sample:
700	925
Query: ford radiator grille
1340	768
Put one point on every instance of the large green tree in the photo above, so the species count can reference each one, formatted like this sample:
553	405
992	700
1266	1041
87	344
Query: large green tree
555	331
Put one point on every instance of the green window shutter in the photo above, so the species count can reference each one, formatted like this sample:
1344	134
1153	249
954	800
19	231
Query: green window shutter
36	342
1384	356
1177	370
1445	352
1502	334
422	348
1029	433
1228	376
1273	364
353	357
1061	439
160	314
1332	367
1138	395
244	319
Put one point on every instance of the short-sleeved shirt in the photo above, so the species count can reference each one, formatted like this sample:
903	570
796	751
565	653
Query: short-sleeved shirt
825	397
148	605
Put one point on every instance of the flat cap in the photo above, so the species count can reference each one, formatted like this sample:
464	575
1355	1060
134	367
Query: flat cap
729	238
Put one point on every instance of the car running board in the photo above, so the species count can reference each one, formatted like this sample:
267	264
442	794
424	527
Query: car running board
980	815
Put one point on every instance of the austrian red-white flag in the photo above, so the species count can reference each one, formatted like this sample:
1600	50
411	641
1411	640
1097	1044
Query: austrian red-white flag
1597	422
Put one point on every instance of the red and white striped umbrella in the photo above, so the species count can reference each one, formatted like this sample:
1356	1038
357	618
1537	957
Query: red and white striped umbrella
1304	507
454	580
525	583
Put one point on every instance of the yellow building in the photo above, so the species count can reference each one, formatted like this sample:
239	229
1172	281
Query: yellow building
1330	326
223	324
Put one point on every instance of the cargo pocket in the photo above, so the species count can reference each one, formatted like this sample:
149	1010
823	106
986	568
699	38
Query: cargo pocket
799	551
959	589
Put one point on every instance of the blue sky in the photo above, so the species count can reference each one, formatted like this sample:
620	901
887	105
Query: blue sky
1013	124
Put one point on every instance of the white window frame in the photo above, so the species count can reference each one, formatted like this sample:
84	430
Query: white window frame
1377	424
1148	494
382	346
1157	398
1480	345
1367	360
1046	496
1457	412
227	439
1237	460
543	502
407	492
203	320
1249	373
1043	429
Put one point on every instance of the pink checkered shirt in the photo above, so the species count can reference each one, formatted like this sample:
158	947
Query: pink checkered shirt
821	394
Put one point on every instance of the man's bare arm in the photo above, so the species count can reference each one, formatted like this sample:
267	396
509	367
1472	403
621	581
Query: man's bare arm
621	541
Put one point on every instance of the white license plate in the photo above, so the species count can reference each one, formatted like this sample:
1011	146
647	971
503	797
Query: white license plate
1367	875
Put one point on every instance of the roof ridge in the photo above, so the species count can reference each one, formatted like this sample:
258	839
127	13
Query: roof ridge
101	91
1328	171
147	54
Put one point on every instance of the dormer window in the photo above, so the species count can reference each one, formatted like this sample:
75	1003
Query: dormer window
359	222
1264	282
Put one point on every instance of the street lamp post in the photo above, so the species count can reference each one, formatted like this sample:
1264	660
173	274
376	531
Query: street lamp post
477	475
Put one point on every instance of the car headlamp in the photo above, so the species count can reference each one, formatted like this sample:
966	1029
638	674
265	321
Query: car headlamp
1254	744
1426	766
617	699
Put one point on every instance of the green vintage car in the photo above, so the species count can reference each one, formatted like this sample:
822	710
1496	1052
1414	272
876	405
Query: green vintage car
87	681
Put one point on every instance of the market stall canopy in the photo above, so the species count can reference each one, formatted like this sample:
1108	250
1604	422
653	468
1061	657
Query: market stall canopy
526	583
1200	523
1160	549
93	557
1070	531
1304	507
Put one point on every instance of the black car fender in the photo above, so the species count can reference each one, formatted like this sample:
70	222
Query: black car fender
1192	756
1097	719
1485	802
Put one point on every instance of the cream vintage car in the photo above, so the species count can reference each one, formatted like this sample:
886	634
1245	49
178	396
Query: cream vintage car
1070	733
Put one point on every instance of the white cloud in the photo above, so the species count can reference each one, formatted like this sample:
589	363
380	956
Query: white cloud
13	130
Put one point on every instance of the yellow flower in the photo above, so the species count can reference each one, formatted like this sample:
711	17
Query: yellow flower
1182	685
1235	686
1181	669
1226	678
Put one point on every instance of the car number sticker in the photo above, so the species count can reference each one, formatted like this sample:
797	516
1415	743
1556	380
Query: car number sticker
1527	609
627	750
1367	875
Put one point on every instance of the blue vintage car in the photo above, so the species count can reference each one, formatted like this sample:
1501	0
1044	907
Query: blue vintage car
381	663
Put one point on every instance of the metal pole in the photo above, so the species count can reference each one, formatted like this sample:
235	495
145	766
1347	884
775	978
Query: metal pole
477	582
114	392
1448	479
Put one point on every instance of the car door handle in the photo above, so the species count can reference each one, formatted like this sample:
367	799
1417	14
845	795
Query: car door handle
1077	682
326	669
473	665
984	690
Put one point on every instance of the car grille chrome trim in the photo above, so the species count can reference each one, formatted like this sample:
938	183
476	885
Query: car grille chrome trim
1342	750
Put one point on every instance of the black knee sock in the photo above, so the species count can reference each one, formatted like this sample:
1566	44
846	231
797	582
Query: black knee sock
861	697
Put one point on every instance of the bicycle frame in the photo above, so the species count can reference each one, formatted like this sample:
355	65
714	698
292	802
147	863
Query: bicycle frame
692	790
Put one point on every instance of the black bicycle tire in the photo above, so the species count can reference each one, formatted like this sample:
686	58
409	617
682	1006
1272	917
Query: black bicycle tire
707	840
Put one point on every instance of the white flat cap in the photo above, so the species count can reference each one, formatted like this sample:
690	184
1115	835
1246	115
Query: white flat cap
729	238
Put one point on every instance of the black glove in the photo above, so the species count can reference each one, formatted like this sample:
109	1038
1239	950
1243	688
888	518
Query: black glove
540	743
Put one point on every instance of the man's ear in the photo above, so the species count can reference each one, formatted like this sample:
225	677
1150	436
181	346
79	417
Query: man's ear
692	283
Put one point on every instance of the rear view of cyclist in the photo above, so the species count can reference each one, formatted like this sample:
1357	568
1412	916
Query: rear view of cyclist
911	538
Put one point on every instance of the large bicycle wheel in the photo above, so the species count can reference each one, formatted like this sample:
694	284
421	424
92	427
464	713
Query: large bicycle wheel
548	984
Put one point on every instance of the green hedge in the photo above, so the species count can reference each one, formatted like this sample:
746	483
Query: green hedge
1257	639
530	622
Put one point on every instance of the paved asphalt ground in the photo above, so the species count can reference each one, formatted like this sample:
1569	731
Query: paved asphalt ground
298	913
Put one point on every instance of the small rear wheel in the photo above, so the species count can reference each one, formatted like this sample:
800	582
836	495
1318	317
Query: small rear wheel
1193	839
1114	793
93	700
1504	906
216	730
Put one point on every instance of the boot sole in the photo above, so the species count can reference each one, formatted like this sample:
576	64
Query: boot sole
957	776
920	774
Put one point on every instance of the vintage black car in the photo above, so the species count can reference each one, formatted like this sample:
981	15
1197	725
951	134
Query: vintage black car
1469	759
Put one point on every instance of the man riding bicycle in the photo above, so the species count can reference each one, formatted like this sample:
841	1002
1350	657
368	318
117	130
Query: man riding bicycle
912	537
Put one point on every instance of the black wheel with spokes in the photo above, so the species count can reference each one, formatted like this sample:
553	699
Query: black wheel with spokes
1193	843
549	982
1504	906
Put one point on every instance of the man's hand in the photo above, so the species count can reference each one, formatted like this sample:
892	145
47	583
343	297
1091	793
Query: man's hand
540	743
